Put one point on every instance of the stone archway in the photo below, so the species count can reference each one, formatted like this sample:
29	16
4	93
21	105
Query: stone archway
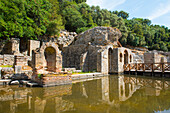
110	59
50	57
125	57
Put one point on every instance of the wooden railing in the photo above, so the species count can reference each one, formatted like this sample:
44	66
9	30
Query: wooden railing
148	67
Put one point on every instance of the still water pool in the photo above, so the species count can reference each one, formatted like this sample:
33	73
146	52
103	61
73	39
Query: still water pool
110	94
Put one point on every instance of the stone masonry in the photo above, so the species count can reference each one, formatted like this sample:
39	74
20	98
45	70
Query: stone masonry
10	47
32	45
97	49
47	58
154	57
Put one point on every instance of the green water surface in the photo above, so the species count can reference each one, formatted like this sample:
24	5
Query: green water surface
110	94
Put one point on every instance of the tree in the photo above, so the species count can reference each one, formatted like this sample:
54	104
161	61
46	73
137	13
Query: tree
74	19
24	18
155	47
56	23
123	14
163	46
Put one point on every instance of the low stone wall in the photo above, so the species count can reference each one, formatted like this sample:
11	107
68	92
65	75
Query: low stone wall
50	80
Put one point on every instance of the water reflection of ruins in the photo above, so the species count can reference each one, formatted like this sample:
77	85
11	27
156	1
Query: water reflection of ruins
107	94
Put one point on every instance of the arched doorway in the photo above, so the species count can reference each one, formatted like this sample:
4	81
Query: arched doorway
50	57
125	57
110	59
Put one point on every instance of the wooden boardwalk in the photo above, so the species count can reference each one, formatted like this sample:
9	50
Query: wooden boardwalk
154	69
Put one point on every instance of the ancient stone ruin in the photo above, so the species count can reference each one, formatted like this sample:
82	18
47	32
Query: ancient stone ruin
98	50
95	50
47	58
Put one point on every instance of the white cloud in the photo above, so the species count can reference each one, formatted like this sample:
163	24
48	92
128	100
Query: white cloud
106	4
161	10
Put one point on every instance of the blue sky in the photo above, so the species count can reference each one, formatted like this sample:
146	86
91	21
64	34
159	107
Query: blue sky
158	11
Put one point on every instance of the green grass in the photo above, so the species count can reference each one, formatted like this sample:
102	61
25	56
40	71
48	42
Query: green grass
6	66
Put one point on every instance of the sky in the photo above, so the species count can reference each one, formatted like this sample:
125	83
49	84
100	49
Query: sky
158	11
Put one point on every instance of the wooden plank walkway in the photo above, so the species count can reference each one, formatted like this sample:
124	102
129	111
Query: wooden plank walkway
162	69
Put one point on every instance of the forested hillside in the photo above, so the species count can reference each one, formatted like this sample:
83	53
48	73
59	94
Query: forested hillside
30	19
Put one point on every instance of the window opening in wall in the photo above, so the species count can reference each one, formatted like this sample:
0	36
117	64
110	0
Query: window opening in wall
121	57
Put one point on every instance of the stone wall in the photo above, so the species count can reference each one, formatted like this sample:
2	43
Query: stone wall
99	36
91	58
6	59
82	57
121	61
66	38
97	49
41	60
154	57
33	45
112	62
102	61
10	47
51	80
3	43
21	61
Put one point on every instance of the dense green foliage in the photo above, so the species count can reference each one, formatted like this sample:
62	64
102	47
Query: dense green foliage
36	18
28	18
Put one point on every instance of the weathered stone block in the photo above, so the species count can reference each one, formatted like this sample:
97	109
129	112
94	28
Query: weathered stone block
8	59
21	61
18	69
33	45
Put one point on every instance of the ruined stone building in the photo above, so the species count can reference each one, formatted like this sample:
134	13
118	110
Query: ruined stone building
98	50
